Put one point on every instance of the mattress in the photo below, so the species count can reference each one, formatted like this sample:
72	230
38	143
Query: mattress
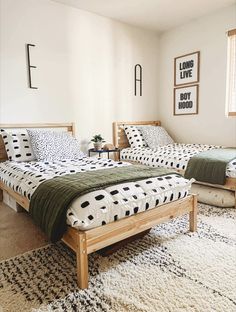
172	156
115	202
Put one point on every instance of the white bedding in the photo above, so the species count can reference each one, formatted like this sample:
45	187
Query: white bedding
173	156
99	207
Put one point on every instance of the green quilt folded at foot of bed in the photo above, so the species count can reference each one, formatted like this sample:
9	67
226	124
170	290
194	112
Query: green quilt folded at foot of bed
210	166
52	198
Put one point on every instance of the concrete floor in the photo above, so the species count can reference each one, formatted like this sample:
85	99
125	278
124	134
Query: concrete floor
18	233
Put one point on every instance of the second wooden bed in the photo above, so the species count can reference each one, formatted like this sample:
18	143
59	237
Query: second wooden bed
120	141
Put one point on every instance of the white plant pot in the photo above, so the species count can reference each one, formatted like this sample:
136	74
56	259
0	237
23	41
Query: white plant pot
97	145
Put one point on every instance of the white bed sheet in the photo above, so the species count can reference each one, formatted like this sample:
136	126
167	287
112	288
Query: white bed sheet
172	156
100	207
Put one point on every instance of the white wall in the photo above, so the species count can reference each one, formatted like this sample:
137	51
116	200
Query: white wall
85	67
85	71
207	34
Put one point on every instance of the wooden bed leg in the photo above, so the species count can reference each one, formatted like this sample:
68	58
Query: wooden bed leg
1	195
82	261
193	216
235	199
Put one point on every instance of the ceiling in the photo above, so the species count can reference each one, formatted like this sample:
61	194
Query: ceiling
157	15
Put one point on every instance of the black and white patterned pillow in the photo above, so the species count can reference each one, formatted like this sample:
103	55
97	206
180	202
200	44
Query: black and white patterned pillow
52	145
155	136
18	146
135	137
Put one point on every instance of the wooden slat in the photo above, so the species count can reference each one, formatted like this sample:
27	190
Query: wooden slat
67	125
231	114
231	32
136	123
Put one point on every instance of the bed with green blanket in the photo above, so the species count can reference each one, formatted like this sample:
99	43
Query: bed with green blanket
210	166
53	197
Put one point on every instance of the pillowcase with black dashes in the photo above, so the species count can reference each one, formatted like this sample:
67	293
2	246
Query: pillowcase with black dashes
18	146
135	137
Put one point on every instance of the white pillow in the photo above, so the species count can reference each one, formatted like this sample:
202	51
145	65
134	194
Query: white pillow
155	136
51	145
18	146
135	137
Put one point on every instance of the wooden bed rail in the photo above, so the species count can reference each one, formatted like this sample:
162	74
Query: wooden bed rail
86	242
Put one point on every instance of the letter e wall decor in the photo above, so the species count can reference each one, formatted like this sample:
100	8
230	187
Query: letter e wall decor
29	66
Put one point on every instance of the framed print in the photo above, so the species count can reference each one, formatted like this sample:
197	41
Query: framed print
186	69
186	100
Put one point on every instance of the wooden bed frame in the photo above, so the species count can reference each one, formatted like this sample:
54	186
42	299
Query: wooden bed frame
86	242
120	141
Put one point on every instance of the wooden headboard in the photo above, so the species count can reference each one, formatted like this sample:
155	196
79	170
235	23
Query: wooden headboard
69	127
119	137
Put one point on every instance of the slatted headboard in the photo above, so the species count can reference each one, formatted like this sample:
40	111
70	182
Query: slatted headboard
70	127
119	137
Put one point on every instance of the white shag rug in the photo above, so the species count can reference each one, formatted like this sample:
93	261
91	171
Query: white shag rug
169	269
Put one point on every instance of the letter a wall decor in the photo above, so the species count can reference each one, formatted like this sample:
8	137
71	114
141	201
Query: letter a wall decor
186	77
138	79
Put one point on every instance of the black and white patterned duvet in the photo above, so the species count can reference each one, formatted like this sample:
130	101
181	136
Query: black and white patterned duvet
173	156
99	207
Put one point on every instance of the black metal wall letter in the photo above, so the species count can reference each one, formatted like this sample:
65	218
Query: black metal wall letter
138	72
28	45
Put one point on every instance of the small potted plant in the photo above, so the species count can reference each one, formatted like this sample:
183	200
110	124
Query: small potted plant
97	141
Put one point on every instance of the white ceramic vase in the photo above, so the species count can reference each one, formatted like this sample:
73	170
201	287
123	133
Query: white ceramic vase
97	145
